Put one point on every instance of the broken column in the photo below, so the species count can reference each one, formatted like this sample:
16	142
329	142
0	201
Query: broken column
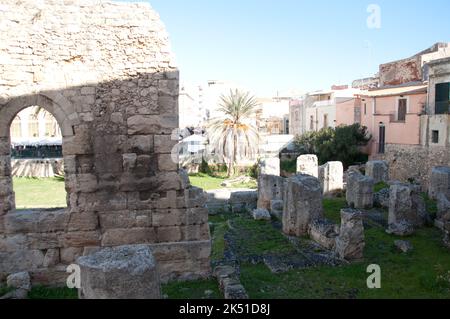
350	242
443	214
407	209
378	170
270	194
324	233
359	190
439	182
331	176
269	166
308	165
302	204
124	272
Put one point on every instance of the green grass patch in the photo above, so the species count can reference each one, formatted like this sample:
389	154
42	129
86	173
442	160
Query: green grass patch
258	237
332	208
289	166
42	292
431	205
39	193
4	290
192	289
380	186
218	240
208	182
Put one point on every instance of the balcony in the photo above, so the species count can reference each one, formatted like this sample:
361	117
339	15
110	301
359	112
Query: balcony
324	103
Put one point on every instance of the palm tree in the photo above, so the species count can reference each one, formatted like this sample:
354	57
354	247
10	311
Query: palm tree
233	135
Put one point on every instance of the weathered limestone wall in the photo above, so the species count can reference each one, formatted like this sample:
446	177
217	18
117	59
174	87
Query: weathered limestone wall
105	71
414	161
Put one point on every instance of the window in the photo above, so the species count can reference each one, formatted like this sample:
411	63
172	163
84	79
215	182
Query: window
401	110
325	121
435	137
311	124
442	98
33	126
365	108
296	115
16	128
382	139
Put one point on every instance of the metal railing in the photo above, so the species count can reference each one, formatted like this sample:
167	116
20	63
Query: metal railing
43	151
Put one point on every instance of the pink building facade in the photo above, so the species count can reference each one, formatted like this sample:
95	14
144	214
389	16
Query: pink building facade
392	116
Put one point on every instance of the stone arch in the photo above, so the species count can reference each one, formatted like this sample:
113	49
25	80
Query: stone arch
55	103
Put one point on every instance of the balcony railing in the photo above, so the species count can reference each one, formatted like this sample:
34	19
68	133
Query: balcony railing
442	107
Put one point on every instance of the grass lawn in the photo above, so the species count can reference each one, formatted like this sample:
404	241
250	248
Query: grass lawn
208	182
39	193
422	273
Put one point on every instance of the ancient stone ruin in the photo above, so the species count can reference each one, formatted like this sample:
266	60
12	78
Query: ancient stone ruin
407	209
269	166
302	204
359	190
331	177
271	194
440	182
378	170
126	272
350	243
105	71
308	164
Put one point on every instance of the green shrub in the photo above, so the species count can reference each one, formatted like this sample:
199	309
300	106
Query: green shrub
340	144
289	166
204	167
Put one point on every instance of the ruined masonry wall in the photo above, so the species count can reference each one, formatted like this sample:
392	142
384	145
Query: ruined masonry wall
105	71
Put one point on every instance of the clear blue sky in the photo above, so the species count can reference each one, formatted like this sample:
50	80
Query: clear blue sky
270	45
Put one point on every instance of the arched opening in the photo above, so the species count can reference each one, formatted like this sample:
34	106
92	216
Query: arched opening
37	166
56	119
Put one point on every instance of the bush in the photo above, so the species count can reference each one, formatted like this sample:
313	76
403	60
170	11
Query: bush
253	171
204	167
289	166
341	144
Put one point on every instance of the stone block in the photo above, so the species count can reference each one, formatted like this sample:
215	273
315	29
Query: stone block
378	170
406	207
126	272
350	243
302	204
439	182
269	166
359	190
308	165
331	176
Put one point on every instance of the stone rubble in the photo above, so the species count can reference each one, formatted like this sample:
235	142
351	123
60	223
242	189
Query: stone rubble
229	282
324	233
403	245
261	214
